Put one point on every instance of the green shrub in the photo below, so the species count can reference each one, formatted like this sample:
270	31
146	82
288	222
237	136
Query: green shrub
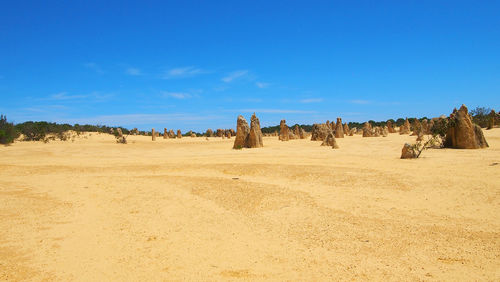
7	131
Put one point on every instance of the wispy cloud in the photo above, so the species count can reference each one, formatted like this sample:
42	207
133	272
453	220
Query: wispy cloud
234	75
95	67
176	95
360	102
275	111
91	97
311	100
65	96
182	72
140	119
262	84
133	71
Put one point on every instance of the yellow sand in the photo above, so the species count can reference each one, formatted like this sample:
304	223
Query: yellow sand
192	209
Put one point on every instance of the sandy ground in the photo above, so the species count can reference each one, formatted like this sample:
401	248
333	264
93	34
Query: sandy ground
194	209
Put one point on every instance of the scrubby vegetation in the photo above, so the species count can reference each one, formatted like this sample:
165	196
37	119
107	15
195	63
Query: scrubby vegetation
7	131
481	116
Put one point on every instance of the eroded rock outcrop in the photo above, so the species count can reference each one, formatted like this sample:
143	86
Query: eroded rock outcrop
367	130
339	129
390	127
330	141
179	134
405	128
248	137
320	131
153	134
408	152
462	133
284	135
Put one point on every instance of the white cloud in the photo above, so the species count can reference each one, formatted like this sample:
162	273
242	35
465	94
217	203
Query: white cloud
234	75
311	100
176	95
139	119
95	67
275	111
65	96
360	102
262	84
133	71
182	72
91	97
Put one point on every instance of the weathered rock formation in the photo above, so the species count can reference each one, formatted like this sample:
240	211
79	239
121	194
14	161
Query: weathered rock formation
346	129
248	137
330	141
405	128
339	129
179	134
165	133
171	133
390	127
408	152
119	132
153	134
462	133
320	131
367	130
284	135
255	136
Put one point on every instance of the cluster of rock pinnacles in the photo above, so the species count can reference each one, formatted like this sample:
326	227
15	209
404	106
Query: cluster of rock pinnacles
248	137
461	132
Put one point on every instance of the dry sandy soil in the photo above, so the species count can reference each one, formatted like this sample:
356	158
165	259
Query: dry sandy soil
193	209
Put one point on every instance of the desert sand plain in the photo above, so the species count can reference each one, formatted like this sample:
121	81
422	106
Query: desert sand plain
192	209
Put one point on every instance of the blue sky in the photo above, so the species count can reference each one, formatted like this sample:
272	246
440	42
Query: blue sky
199	64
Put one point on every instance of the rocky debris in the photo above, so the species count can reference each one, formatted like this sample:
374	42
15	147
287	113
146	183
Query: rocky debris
320	131
405	128
153	134
248	137
367	130
462	133
339	129
284	135
179	134
330	141
390	127
408	152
